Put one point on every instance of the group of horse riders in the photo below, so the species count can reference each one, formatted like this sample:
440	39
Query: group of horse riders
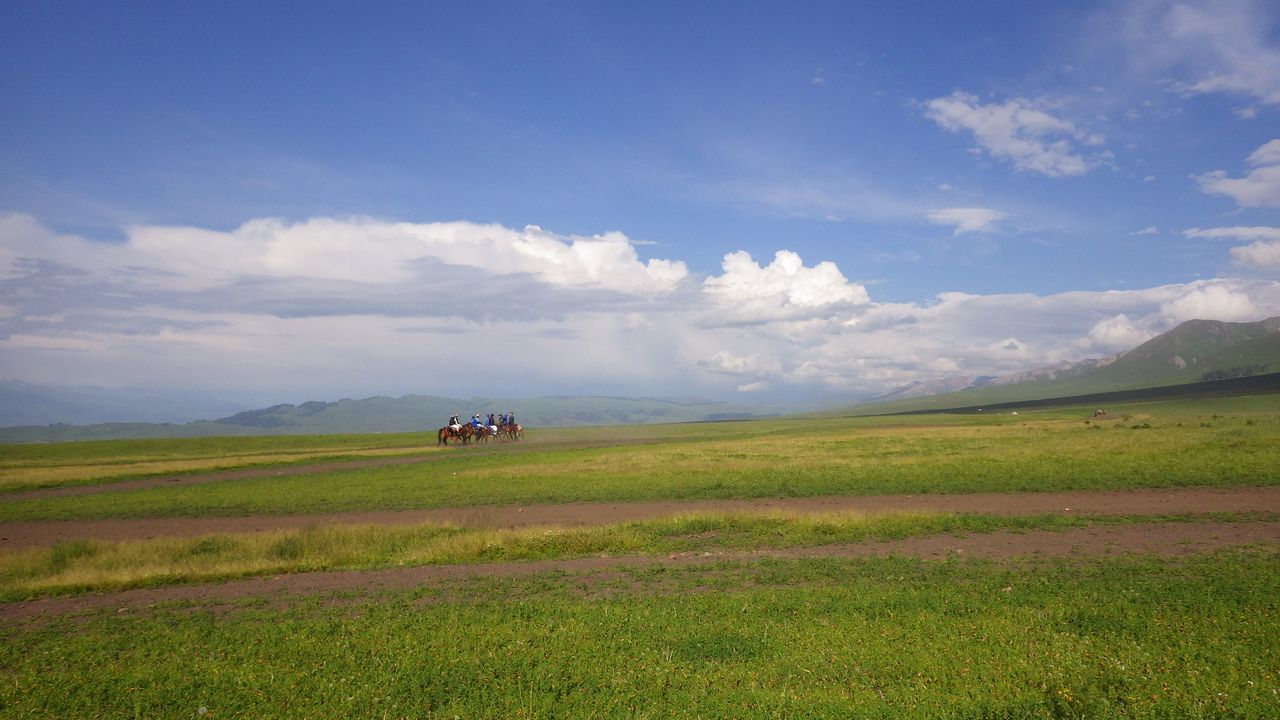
503	426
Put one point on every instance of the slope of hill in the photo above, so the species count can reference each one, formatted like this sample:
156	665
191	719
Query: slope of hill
1195	351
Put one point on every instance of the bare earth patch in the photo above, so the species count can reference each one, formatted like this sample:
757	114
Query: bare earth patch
1165	501
1162	539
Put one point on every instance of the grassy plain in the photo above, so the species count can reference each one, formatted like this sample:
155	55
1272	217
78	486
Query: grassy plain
1130	637
87	565
25	467
1230	442
1117	636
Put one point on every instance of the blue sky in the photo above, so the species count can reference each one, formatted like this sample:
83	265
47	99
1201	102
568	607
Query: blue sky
287	202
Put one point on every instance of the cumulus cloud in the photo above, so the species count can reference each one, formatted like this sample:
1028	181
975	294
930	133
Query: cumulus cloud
1118	333
966	220
1260	188
783	289
1259	254
1218	302
1017	131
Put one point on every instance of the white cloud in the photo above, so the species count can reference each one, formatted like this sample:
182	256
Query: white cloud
1267	154
1017	131
1193	47
1118	333
783	289
1227	46
966	220
359	250
1235	233
1216	302
1260	188
1258	254
1148	230
1263	252
154	311
730	364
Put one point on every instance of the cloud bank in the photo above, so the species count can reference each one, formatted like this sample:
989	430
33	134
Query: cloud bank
331	307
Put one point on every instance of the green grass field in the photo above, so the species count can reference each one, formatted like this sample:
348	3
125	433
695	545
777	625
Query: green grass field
1135	638
1109	636
1230	443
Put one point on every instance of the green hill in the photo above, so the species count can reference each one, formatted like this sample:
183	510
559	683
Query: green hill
1195	351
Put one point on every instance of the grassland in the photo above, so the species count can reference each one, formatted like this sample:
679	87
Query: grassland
1145	446
1108	636
88	565
1134	637
24	467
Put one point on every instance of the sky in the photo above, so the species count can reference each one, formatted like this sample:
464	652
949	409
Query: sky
755	202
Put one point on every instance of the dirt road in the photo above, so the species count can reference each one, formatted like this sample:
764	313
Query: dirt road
1165	539
1124	502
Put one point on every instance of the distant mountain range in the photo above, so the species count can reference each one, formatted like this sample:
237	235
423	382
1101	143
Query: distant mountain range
412	413
1195	351
24	403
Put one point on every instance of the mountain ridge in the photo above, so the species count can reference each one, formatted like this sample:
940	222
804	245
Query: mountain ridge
1194	351
409	413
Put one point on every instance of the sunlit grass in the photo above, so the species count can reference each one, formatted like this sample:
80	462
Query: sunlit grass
97	565
20	477
750	460
864	638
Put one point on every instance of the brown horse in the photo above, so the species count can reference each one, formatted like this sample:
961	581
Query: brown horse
466	433
514	431
483	433
442	437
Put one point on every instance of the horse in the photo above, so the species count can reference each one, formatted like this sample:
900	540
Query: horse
483	433
442	437
466	433
514	431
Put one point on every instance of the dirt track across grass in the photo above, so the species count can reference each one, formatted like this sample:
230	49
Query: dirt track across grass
183	479
1162	539
1167	501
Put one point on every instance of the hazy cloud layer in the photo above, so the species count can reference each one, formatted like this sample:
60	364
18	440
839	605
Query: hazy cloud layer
332	307
967	220
1225	48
